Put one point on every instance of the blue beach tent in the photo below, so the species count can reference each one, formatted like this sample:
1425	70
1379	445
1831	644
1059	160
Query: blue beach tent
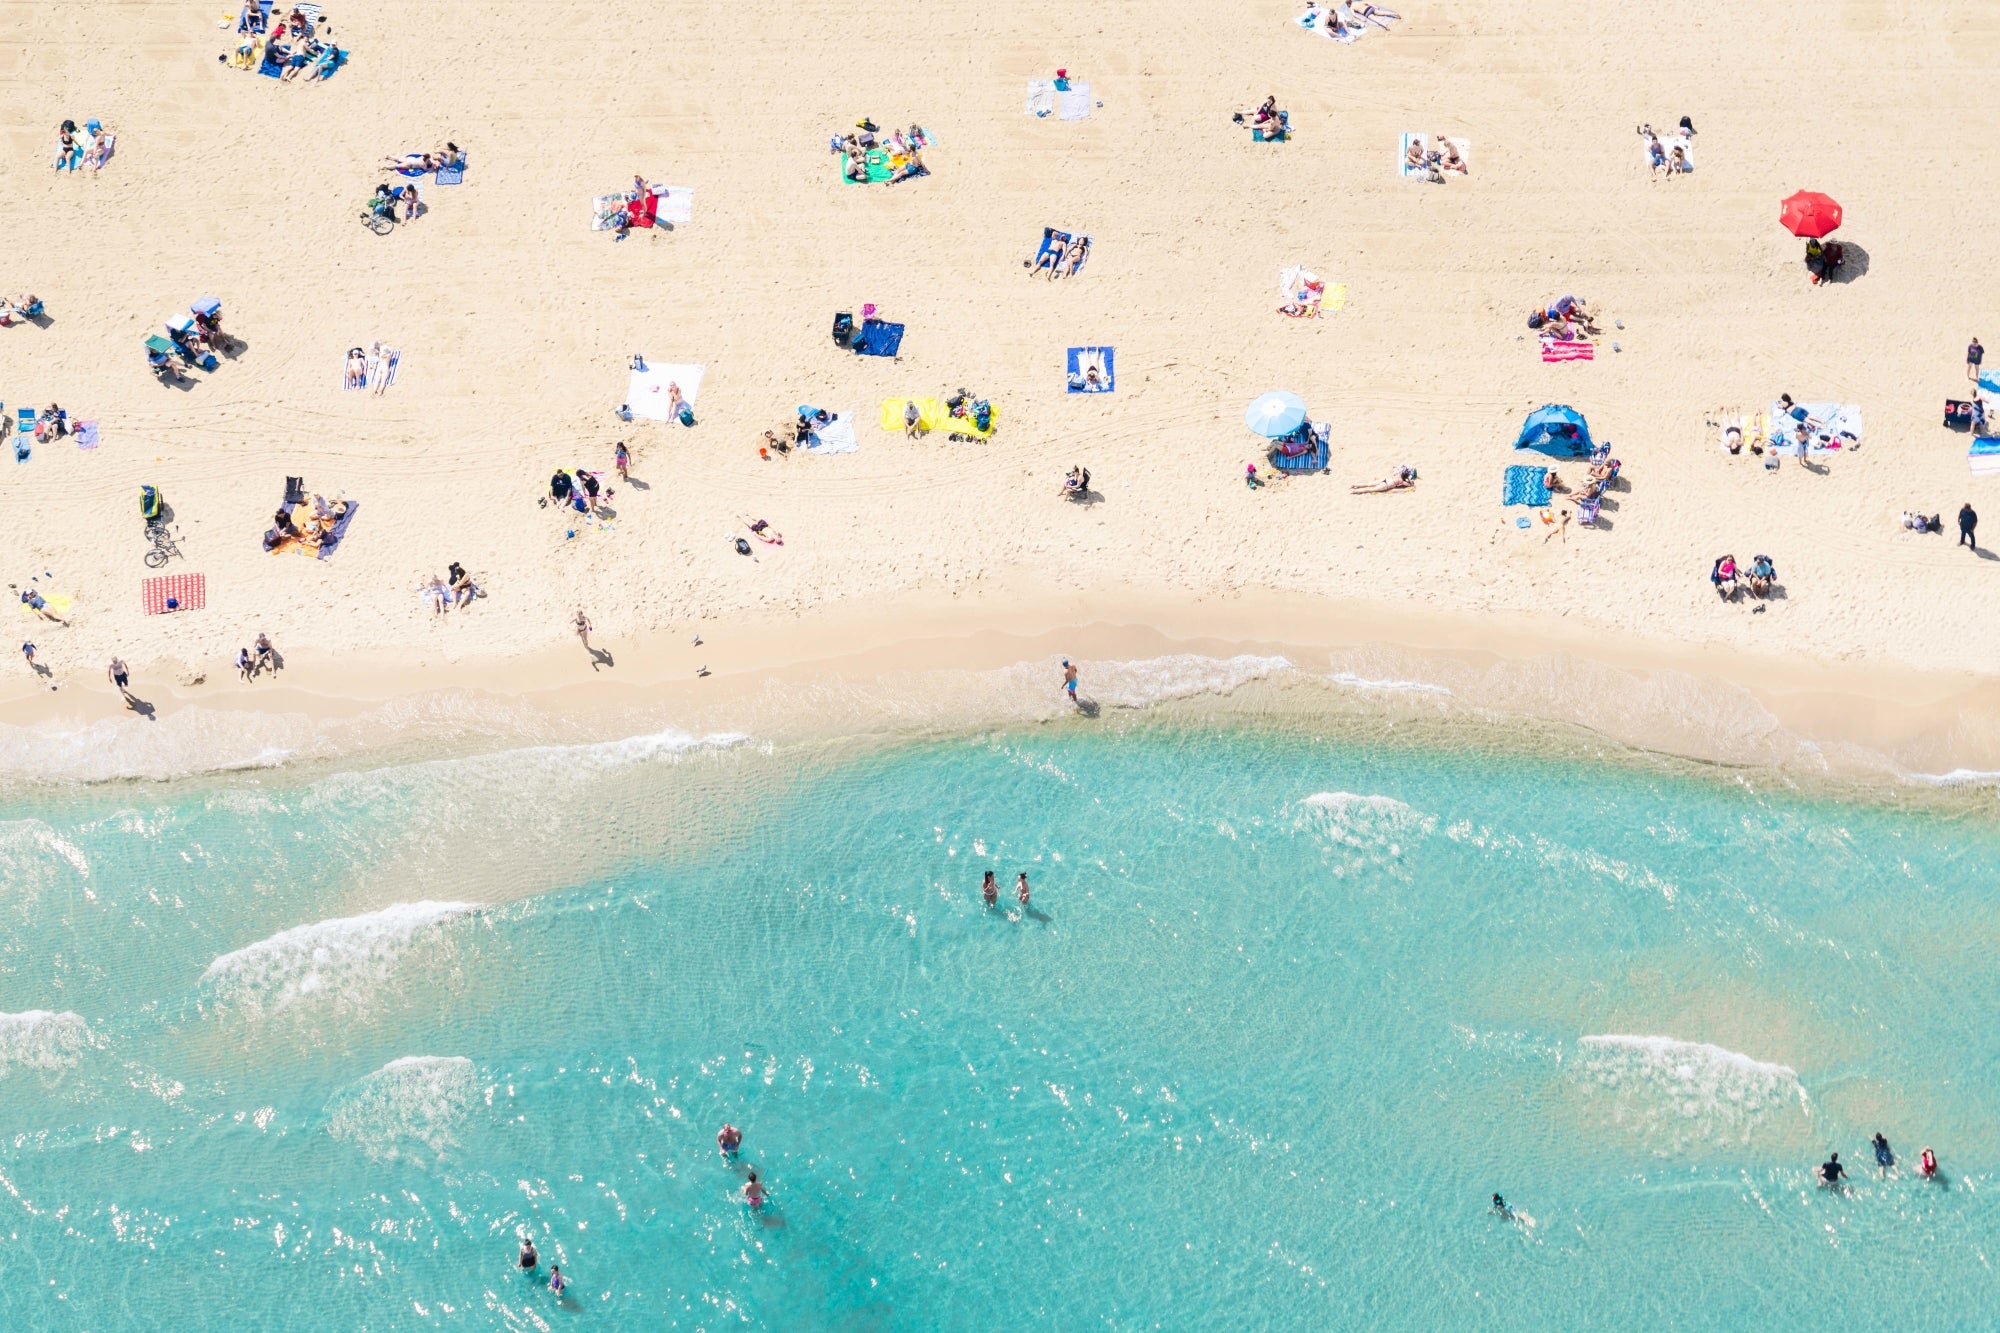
1555	430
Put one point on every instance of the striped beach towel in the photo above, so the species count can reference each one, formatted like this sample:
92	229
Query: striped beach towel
190	592
1556	349
1984	457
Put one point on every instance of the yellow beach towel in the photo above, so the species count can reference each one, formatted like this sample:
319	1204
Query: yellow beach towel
57	603
931	413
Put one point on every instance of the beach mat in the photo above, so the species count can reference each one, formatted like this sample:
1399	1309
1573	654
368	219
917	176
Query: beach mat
1041	97
932	414
1075	103
331	541
60	603
1311	460
86	434
1572	349
878	338
676	202
837	435
1840	426
878	168
1984	457
1525	484
646	392
1082	360
191	589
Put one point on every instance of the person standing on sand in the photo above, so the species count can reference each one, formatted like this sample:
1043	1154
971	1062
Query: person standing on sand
1974	354
621	458
1069	680
1967	521
583	628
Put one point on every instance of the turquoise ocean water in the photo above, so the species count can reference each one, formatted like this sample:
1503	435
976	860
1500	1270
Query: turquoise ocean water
311	1049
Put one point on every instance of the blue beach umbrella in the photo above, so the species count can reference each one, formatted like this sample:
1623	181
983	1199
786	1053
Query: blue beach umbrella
1275	413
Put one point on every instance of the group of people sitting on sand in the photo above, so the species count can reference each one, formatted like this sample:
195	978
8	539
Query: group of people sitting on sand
1660	159
70	154
1445	157
295	42
1265	117
905	149
310	532
1564	318
452	592
1602	470
1346	19
582	493
1730	580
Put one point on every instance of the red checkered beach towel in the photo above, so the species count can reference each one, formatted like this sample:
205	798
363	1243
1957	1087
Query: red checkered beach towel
190	592
1555	349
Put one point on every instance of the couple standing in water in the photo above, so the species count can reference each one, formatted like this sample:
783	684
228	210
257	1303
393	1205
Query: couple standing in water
990	890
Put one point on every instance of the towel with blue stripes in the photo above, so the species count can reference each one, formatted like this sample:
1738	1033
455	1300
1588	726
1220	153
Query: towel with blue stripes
1525	484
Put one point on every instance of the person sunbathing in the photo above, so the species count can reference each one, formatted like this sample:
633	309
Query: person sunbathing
1918	522
1656	154
1053	247
451	157
1375	14
1404	478
913	165
1678	163
1415	158
357	369
1072	260
857	158
323	64
1762	574
1605	469
1553	480
415	162
298	61
1448	158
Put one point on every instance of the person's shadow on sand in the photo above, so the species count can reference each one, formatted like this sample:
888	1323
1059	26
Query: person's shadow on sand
600	658
142	708
1087	707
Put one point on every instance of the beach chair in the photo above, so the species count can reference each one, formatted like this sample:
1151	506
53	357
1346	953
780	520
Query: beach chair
24	421
1586	510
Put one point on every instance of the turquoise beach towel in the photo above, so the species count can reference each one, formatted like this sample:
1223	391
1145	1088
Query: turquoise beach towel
1525	485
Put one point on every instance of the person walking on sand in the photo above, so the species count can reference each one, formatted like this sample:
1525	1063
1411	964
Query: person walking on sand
1069	680
1974	354
583	628
120	678
621	458
267	656
1967	521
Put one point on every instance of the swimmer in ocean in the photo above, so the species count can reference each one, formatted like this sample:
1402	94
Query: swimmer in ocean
1831	1171
557	1282
990	890
1883	1157
727	1140
1021	888
754	1192
529	1259
1502	1207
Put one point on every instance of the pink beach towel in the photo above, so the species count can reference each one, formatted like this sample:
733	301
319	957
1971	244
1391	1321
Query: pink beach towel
1555	349
189	590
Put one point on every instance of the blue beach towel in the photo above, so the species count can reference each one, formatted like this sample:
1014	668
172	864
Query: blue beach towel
451	175
1084	360
1313	459
1525	484
878	338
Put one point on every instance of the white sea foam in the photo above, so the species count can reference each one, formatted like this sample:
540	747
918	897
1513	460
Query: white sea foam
1958	777
175	744
1155	680
526	764
409	1108
1354	682
1678	1095
341	961
42	1041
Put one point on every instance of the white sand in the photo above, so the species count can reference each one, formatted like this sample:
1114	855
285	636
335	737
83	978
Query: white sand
516	322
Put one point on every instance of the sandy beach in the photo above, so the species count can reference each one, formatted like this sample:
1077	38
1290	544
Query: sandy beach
516	324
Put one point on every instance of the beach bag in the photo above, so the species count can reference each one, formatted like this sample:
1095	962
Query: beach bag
1957	415
149	501
686	415
982	415
843	329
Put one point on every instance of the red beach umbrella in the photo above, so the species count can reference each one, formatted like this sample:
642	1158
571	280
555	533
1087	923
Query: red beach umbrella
1809	213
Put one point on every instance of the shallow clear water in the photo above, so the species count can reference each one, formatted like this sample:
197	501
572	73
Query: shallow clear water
312	1051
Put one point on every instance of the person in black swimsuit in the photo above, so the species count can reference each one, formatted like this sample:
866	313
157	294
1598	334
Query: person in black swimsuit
529	1259
990	890
1831	1171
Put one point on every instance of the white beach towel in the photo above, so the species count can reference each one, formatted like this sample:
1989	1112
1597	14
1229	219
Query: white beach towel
1041	97
1074	104
1667	146
1403	158
676	203
1838	425
647	395
835	437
